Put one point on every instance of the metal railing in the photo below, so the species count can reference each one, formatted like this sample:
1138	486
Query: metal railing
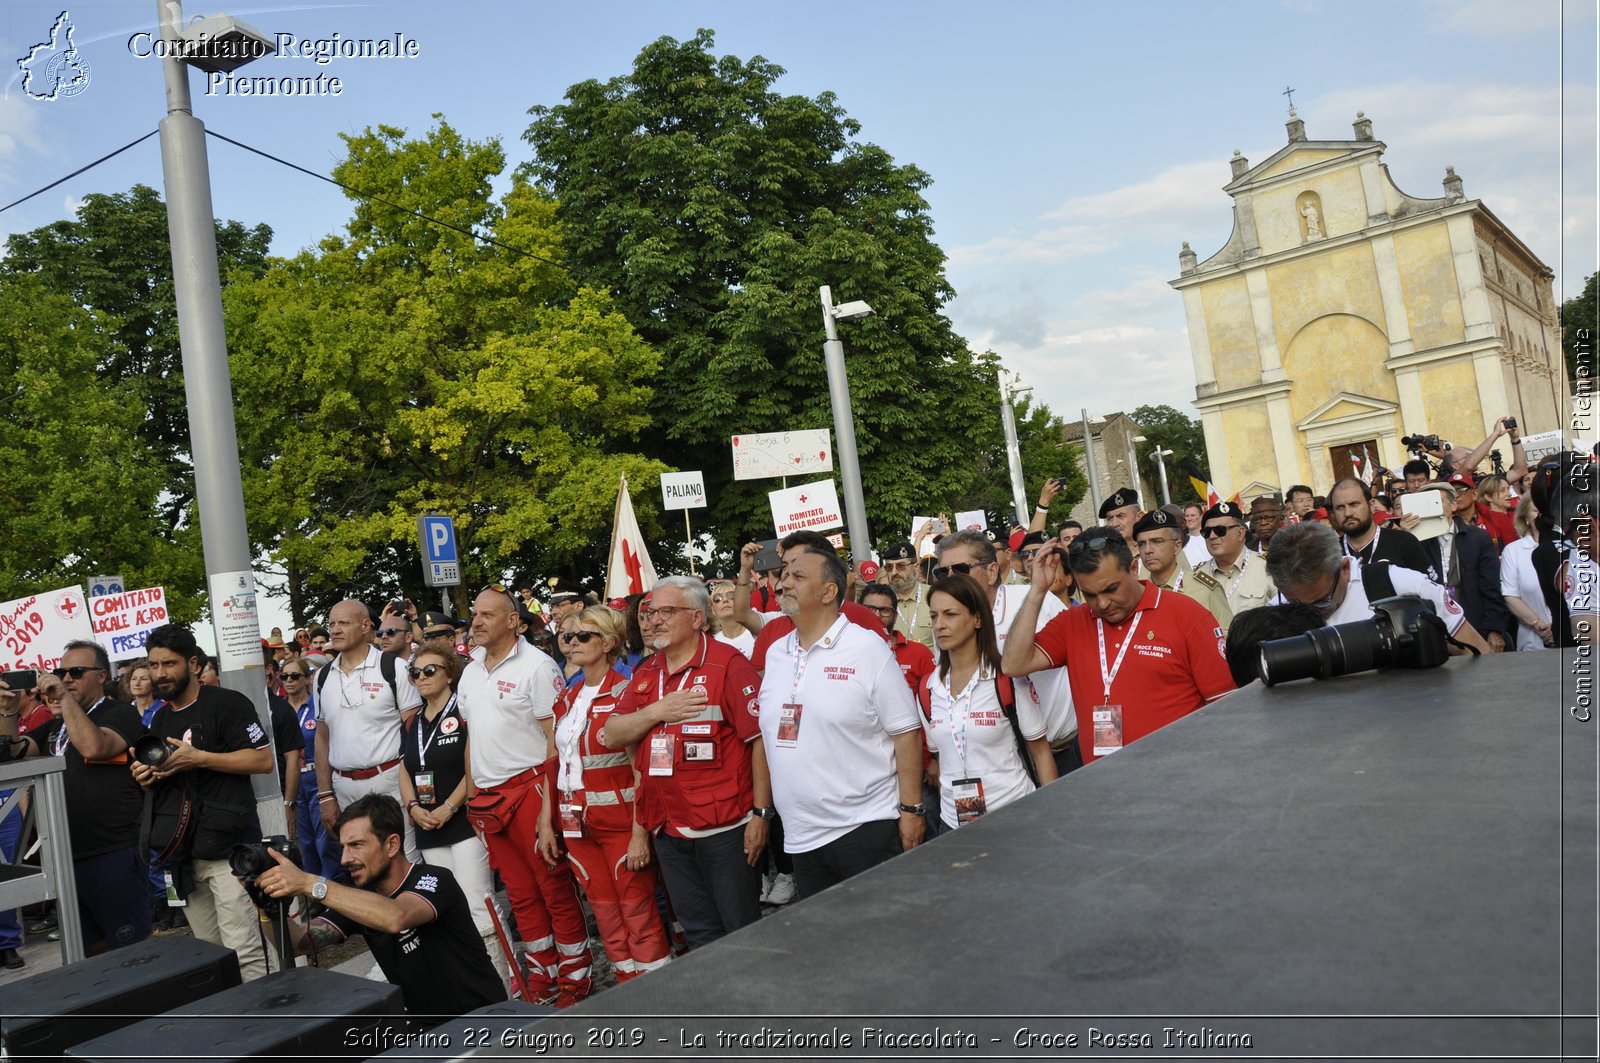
22	883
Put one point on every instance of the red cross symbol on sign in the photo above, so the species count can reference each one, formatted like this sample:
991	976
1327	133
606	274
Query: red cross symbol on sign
802	500
69	606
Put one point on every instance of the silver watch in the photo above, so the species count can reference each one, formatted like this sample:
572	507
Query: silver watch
320	890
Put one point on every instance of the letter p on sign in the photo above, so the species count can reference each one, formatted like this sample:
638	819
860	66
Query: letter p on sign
441	565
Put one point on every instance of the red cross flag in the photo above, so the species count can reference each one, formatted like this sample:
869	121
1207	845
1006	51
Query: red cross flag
630	571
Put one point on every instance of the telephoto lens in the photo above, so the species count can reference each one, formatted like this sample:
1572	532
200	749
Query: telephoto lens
1404	632
152	750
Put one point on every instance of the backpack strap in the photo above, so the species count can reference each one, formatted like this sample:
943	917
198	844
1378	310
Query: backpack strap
1380	585
386	665
925	696
322	678
1006	691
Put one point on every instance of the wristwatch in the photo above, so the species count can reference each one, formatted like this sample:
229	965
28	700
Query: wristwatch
766	813
319	891
918	809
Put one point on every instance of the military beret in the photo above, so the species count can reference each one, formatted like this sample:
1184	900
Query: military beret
900	551
999	543
1224	508
1155	520
1035	538
1123	496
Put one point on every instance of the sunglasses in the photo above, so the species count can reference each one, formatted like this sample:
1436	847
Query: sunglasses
293	675
944	571
579	636
428	670
440	633
390	632
1217	531
1090	542
76	673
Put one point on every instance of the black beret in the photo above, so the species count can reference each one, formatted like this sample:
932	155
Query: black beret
1224	508
1036	537
1123	496
1155	520
900	551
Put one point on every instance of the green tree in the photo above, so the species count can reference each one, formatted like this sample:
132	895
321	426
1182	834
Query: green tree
80	492
1044	457
714	208
114	258
405	368
1580	318
1173	430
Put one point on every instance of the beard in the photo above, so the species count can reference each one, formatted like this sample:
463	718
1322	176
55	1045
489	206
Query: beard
904	585
789	606
169	689
660	642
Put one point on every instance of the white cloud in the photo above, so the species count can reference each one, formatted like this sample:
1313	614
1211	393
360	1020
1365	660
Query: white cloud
72	204
1495	18
19	129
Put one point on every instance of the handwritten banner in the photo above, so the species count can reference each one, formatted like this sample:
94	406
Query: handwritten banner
122	621
35	630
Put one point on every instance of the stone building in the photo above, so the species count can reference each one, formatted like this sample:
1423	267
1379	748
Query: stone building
1343	313
1112	439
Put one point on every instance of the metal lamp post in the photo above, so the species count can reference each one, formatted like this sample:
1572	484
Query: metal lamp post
1008	420
844	422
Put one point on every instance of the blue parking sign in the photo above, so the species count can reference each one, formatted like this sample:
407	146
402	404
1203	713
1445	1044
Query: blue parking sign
441	565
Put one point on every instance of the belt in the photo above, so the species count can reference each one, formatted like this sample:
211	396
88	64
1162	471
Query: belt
1065	743
367	773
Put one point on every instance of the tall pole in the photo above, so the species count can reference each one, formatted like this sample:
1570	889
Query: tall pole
1133	472
844	435
1095	495
1008	419
213	438
1161	471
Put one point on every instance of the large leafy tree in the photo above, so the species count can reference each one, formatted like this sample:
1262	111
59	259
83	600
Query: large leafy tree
1580	319
1173	430
407	368
714	207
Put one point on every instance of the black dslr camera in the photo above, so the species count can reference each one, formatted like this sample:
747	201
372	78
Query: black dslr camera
1420	445
248	860
151	749
1404	632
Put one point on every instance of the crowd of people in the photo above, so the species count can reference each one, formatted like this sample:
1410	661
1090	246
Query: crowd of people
668	764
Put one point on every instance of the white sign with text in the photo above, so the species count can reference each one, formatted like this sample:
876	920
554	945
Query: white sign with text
814	506
683	490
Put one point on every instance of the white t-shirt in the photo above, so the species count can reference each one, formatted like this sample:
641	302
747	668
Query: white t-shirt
834	769
973	738
1047	690
1406	581
502	709
1195	550
744	642
360	712
569	737
1519	580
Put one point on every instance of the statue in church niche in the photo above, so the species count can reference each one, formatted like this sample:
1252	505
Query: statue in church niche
1313	219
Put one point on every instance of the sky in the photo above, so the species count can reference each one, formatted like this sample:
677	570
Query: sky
1073	146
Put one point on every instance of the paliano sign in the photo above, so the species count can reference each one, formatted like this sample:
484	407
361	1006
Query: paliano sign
683	490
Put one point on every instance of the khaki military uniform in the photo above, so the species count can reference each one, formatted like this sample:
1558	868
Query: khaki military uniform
1202	588
1245	583
916	618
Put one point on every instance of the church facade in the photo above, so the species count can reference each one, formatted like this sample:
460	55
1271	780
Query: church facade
1343	314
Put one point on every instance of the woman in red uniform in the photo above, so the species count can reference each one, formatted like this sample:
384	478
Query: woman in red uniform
590	805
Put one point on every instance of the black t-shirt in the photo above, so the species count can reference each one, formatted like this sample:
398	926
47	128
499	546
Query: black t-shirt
286	734
439	747
442	967
103	802
219	721
1397	546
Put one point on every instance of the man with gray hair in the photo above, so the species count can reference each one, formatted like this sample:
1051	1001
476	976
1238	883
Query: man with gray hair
1309	566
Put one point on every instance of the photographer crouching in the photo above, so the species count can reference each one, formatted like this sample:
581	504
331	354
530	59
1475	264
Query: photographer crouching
416	919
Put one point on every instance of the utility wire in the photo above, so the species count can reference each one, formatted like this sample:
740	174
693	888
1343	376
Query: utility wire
81	169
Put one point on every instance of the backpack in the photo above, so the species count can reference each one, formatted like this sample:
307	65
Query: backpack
1005	692
386	665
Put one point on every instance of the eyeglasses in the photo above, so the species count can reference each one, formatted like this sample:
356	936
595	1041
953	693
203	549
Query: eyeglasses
665	612
579	636
1217	531
76	673
428	670
944	571
293	675
440	633
390	632
719	598
881	610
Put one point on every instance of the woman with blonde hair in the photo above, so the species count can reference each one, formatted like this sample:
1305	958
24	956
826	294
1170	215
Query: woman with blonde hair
590	807
1519	583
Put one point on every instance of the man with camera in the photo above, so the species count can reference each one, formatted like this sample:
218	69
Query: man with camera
93	732
213	743
415	917
1309	566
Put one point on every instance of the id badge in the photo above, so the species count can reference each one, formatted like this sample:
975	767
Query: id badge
424	785
700	752
661	753
1107	729
571	819
173	900
789	723
969	800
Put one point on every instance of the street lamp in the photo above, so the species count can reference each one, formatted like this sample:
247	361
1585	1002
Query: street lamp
844	422
218	43
1008	421
1161	471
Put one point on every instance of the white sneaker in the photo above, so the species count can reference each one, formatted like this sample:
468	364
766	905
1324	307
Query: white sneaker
782	891
766	887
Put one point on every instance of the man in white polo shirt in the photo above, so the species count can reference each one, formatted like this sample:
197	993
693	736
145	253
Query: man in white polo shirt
841	732
507	696
363	697
972	553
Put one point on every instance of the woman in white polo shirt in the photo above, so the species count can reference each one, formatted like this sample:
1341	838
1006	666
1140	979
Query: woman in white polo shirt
980	766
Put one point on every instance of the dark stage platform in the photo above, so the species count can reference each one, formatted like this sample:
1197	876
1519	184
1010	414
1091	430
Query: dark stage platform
1383	865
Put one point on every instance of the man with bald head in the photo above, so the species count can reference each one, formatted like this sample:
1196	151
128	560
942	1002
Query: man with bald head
363	698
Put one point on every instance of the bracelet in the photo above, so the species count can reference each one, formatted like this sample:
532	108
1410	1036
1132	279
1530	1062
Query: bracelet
741	583
324	799
10	715
324	793
1041	509
451	807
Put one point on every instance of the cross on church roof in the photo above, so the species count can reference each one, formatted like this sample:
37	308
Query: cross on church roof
1289	92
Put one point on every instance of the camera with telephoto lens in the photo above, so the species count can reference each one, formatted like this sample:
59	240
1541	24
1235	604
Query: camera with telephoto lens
151	749
1423	444
248	860
1404	632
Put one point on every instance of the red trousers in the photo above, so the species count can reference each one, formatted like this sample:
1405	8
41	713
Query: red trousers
623	901
555	939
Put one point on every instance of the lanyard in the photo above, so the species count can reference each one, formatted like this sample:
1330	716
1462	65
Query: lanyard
688	669
802	657
58	744
422	750
961	714
1244	563
307	712
1107	677
1177	583
1368	552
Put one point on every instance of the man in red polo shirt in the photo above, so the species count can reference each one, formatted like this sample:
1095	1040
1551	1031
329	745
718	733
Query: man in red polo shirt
1138	658
691	708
